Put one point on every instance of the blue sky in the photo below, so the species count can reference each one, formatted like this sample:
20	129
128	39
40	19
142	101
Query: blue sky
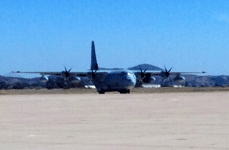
45	35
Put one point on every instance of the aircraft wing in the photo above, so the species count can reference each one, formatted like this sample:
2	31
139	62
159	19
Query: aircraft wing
155	73
173	73
149	75
84	74
74	74
81	74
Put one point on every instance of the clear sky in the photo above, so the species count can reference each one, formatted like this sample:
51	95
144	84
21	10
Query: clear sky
45	35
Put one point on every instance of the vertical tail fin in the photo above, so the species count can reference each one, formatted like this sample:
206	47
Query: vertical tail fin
94	64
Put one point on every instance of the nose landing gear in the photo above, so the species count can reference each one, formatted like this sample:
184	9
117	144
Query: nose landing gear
124	91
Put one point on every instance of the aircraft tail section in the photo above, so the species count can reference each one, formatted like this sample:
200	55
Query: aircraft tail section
94	64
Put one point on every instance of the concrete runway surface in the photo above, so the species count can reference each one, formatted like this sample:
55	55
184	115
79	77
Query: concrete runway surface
169	121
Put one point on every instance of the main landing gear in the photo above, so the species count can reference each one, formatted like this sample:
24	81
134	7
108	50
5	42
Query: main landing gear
101	91
122	91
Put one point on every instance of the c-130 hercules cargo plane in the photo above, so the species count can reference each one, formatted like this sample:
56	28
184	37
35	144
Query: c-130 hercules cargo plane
119	80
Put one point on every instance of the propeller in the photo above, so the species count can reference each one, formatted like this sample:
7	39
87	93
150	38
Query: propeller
166	74
143	73
67	72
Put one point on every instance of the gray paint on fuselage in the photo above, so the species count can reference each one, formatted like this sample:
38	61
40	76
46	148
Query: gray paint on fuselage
115	80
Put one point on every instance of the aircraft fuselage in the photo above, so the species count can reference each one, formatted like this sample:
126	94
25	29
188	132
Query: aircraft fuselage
122	81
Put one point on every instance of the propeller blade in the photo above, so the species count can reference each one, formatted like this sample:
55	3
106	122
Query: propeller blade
163	79
143	73
170	79
165	69
170	69
65	69
166	74
66	72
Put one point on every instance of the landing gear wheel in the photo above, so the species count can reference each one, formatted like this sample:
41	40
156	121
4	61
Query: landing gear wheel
128	91
124	91
101	91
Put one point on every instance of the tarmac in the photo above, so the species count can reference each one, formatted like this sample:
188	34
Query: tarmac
152	121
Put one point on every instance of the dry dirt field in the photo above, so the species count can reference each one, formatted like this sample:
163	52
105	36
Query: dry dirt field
93	91
142	120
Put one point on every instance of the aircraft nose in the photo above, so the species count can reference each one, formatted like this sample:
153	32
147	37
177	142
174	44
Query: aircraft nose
132	79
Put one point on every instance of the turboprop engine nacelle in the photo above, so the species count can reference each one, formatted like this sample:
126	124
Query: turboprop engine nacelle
75	79
152	79
149	79
43	79
179	78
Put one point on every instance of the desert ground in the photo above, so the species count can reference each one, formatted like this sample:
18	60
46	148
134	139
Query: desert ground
142	120
93	91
